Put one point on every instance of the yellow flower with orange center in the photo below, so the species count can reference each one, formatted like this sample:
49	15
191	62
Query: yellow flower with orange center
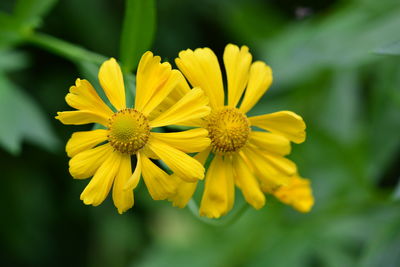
248	152
106	154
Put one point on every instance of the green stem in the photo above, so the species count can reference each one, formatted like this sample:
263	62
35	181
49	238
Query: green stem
70	51
229	220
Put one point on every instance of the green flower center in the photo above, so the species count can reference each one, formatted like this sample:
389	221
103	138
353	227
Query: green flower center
128	131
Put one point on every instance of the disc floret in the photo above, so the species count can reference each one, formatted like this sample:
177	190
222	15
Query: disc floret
128	131
228	129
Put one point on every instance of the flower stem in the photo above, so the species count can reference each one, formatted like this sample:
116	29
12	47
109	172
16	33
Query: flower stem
68	50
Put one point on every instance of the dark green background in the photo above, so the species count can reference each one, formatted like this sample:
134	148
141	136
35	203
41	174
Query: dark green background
336	63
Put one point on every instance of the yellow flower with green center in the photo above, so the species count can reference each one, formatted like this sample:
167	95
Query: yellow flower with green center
242	155
105	154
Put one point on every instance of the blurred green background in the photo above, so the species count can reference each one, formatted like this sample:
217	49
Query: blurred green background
336	63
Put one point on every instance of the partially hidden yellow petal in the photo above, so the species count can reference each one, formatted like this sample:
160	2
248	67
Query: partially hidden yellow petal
192	106
237	65
112	82
269	175
285	123
85	164
123	199
202	69
81	141
185	190
190	141
180	163
217	198
158	182
271	142
79	117
248	184
99	186
154	82
83	96
297	194
133	181
260	79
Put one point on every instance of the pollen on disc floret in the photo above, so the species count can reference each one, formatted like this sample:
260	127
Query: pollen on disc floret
228	129
128	131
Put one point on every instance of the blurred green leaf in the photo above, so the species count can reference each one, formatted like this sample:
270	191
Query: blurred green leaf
30	12
390	49
22	120
138	31
11	60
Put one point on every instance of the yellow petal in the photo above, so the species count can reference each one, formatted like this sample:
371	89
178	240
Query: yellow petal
180	163
285	123
86	163
217	196
269	175
135	178
260	79
154	82
237	65
249	185
179	91
112	82
83	96
185	190
190	141
99	186
81	141
297	194
270	142
158	182
80	117
192	106
202	69
123	199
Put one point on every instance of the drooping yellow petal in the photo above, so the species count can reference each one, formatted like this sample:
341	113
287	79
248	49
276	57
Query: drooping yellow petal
154	82
123	199
189	141
237	65
192	106
270	142
260	79
81	141
134	179
99	186
248	184
83	96
158	182
180	163
202	69
298	194
217	196
285	123
112	82
268	174
85	164
185	190
80	117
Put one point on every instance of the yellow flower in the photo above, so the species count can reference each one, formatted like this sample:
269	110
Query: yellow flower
244	156
106	153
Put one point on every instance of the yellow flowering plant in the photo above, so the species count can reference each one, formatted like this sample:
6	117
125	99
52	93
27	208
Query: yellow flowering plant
248	152
128	133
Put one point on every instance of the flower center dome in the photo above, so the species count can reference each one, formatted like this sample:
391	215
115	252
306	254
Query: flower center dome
128	131
228	129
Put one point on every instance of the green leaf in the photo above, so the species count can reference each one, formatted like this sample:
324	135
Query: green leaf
390	49
22	120
137	32
30	12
